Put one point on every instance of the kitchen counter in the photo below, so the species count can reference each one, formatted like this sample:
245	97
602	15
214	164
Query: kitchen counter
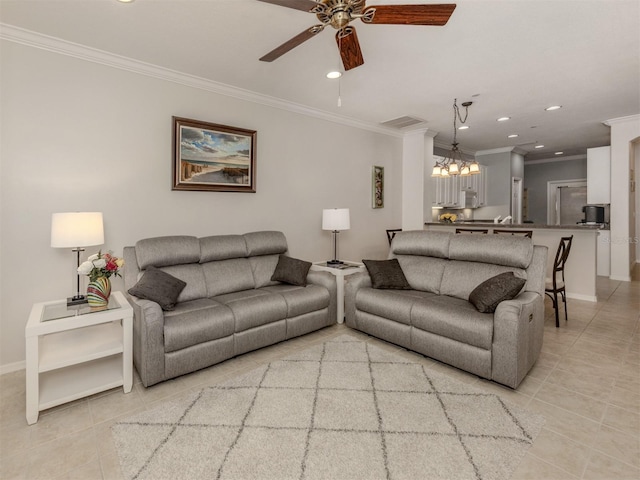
523	226
580	271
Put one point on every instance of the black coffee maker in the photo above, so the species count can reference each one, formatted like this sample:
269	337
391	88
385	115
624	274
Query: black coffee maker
593	215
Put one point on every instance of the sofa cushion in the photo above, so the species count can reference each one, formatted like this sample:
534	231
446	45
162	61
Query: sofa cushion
195	322
262	268
453	318
226	276
386	274
159	287
507	250
222	247
265	243
301	300
418	242
460	278
252	308
291	270
392	304
486	296
165	251
192	275
423	273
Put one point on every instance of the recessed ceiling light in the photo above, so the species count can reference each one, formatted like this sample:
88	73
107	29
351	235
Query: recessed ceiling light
559	153
513	135
539	146
504	119
553	107
463	127
334	74
125	1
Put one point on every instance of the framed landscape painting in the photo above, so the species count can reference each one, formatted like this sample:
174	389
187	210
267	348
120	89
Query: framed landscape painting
377	187
214	158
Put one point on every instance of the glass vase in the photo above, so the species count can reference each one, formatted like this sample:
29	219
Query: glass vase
98	292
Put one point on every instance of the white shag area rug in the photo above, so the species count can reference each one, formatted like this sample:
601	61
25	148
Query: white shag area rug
344	409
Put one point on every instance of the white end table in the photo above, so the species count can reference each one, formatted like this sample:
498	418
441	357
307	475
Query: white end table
347	268
74	352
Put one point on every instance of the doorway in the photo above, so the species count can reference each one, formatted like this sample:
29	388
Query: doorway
516	199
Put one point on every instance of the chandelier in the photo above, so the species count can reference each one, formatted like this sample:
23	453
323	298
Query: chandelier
453	163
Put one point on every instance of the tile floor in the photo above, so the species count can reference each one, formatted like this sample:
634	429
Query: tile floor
586	384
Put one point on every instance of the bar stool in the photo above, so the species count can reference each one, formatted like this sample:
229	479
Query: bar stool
526	233
392	233
555	286
472	230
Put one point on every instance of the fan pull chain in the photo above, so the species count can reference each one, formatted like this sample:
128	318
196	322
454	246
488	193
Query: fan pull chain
340	77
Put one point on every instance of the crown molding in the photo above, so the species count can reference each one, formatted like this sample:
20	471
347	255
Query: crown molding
517	150
63	47
447	147
629	118
568	158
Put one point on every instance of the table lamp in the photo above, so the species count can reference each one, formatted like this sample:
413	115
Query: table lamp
76	230
335	219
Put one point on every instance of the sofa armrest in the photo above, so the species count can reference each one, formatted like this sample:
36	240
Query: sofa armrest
148	340
354	283
518	326
327	280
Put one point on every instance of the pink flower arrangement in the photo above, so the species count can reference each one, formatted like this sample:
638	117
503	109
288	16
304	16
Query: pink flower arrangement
101	265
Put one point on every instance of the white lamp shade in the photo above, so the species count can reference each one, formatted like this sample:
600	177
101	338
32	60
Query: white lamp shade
76	229
336	219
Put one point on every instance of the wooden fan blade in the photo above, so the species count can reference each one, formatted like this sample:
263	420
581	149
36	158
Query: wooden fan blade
292	43
304	5
349	47
412	14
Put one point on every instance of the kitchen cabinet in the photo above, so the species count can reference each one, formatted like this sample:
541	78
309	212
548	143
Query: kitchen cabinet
480	185
446	190
599	175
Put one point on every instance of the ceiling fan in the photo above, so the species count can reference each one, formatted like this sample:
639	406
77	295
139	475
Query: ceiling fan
340	13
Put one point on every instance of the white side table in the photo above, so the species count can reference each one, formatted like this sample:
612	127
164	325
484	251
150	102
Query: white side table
74	352
347	268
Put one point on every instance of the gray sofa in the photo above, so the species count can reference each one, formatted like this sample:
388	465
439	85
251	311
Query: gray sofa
229	306
435	317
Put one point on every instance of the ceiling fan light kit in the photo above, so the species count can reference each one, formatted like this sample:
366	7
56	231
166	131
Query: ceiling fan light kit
340	13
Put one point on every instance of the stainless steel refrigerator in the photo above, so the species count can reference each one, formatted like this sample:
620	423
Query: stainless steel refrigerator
569	203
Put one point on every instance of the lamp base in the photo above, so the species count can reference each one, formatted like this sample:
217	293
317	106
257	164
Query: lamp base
334	262
77	300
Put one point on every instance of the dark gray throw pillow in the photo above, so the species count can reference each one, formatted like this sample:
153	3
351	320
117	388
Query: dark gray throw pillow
291	270
159	287
386	274
486	296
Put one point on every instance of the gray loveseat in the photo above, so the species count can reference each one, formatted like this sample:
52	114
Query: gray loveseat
229	305
435	317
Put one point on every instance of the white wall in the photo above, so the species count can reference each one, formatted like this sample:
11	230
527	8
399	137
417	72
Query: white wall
624	131
81	136
498	163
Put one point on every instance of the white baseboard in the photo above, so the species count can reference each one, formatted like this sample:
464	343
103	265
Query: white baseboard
626	278
12	367
579	296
